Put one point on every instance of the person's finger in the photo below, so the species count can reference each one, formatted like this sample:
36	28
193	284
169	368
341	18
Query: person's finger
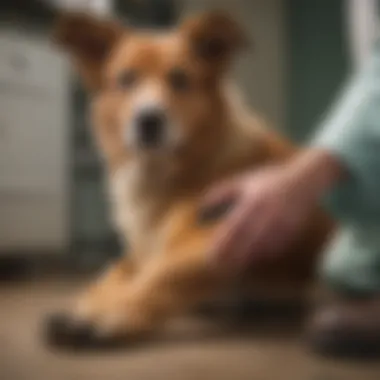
229	235
235	235
225	190
246	248
273	241
277	236
257	236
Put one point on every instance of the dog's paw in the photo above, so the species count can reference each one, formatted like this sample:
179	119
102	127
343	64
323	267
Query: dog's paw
64	331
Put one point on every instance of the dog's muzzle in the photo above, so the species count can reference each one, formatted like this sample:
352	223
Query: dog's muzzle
150	128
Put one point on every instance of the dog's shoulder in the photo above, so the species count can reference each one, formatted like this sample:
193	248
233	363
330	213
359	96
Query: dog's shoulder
252	140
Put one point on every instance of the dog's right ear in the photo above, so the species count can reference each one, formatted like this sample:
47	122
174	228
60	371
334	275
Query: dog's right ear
215	37
89	41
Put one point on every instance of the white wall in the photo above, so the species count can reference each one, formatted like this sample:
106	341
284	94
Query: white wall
261	71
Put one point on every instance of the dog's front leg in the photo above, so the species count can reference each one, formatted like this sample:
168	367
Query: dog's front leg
77	325
167	286
175	278
179	277
115	311
97	296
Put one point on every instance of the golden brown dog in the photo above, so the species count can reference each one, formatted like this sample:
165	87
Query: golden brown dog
168	126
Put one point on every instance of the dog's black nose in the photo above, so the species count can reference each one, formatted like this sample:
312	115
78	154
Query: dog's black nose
150	125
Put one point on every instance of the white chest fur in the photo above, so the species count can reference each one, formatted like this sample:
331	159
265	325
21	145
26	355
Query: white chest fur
136	198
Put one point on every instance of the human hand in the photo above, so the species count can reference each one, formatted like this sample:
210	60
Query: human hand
270	208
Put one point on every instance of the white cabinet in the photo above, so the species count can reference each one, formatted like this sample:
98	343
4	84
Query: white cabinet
34	130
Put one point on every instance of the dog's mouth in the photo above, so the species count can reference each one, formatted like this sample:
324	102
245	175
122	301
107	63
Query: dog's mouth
150	126
151	129
153	135
153	141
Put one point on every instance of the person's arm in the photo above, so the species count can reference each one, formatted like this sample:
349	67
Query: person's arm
351	136
272	205
342	163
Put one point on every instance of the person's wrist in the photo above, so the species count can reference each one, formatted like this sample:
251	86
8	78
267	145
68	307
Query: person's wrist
315	172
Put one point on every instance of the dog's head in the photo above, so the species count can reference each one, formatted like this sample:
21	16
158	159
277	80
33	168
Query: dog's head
152	92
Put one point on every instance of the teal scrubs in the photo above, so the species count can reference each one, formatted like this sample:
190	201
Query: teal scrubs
351	131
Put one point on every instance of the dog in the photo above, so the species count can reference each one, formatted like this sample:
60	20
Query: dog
169	124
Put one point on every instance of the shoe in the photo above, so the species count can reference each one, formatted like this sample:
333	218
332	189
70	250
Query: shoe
346	328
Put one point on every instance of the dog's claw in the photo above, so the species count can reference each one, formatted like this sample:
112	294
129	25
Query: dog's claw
62	331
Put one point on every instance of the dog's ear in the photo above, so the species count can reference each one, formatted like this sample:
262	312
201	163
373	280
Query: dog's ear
89	41
214	36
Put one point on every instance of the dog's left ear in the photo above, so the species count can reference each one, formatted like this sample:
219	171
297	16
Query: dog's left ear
214	36
89	41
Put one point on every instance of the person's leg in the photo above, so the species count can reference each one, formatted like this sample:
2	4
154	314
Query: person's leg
348	322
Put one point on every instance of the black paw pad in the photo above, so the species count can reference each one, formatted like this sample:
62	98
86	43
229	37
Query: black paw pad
63	331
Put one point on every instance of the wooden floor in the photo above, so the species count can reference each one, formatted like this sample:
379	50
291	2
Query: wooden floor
192	350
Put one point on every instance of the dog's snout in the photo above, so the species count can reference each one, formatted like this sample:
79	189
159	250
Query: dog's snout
150	125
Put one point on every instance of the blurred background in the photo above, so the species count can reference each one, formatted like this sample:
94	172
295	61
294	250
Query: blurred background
53	209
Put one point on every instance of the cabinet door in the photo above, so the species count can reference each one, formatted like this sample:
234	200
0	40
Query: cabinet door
31	222
33	171
32	143
28	60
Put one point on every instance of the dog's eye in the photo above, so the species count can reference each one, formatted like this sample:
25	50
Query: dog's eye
127	79
179	80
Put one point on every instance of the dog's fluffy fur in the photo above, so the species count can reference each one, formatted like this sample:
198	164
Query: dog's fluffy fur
156	193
